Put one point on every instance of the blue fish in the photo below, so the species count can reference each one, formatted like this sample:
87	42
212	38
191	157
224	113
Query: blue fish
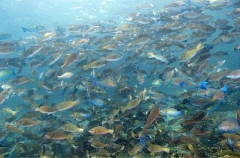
143	139
96	102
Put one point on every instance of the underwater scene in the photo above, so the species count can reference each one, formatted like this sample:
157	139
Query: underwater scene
120	79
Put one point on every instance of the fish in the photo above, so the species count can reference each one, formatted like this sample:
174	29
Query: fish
58	135
47	37
234	74
12	128
219	95
238	113
91	30
70	59
22	80
157	148
108	82
65	75
98	145
158	57
111	57
8	47
220	54
147	83
47	86
187	83
190	53
33	28
4	95
97	102
132	104
54	58
145	6
99	130
201	102
139	41
66	105
32	51
136	149
159	97
195	118
190	139
9	111
230	126
5	36
26	122
46	109
107	22
151	117
6	74
95	65
71	128
171	112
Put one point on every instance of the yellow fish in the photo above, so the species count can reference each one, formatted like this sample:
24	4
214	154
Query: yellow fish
190	53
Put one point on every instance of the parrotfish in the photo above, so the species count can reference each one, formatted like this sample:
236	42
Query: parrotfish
234	74
152	116
230	125
6	73
171	112
188	84
97	102
219	95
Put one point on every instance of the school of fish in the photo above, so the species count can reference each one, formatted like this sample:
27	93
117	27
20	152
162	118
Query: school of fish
153	85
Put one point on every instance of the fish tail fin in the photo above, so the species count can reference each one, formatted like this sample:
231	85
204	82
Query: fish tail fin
213	99
32	80
87	115
200	46
85	67
110	131
150	55
13	72
123	109
24	29
95	83
70	137
229	142
203	85
224	89
40	84
181	113
90	101
166	150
